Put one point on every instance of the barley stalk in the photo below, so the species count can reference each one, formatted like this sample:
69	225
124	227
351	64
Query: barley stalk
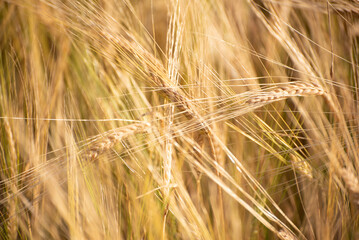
12	223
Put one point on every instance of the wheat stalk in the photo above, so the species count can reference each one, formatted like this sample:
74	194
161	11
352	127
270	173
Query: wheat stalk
115	136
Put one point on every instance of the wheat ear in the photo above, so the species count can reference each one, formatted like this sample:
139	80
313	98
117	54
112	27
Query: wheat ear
115	136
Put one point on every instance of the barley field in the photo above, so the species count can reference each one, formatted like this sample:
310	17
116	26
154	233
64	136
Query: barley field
179	119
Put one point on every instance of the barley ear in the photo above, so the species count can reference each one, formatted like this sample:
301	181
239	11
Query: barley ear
114	137
351	182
